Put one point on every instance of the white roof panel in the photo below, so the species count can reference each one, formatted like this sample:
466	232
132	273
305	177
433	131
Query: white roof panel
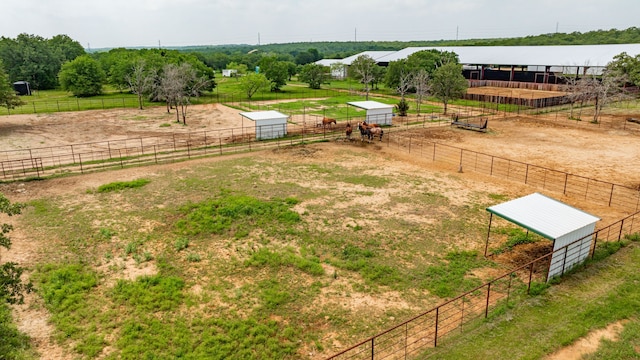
369	105
553	55
329	62
263	115
375	55
543	215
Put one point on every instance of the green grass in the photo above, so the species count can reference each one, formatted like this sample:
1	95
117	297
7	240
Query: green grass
14	345
601	294
120	185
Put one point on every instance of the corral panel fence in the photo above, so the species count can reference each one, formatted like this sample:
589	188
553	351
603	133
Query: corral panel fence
418	336
597	191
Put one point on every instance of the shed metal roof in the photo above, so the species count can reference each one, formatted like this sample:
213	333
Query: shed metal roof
370	105
552	55
263	115
543	215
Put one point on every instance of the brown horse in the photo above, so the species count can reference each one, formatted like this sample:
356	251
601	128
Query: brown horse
328	122
369	131
348	131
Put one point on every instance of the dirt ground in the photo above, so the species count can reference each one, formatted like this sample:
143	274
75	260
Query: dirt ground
608	155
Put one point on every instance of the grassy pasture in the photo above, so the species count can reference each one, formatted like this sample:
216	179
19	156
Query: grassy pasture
282	254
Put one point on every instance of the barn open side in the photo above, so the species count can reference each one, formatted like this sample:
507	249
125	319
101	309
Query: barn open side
554	220
269	124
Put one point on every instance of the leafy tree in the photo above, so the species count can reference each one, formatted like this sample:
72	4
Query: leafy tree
624	65
447	83
65	48
8	97
314	75
11	287
241	69
82	76
362	69
276	71
30	58
402	106
253	82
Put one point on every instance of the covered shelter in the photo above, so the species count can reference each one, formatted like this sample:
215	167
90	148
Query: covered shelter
570	229
22	88
377	112
269	124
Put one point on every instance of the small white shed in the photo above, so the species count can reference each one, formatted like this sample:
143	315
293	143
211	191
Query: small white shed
269	124
229	72
554	220
377	113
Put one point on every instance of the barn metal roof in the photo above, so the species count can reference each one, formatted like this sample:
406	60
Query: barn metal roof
543	215
553	55
263	115
375	55
370	105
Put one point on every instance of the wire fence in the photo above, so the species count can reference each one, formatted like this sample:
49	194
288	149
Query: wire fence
420	335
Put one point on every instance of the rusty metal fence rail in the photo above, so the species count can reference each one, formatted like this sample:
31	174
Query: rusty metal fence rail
418	336
576	186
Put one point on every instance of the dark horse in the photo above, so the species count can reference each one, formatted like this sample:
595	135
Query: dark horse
369	131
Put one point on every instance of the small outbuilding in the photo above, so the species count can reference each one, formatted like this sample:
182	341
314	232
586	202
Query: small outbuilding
22	88
377	112
269	124
570	229
229	72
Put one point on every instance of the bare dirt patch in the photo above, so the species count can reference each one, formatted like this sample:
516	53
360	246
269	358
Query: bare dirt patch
588	344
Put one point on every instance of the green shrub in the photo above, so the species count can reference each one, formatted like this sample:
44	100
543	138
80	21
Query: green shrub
150	293
537	288
181	243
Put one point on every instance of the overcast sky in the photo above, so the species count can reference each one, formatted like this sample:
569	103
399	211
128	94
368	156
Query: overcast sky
152	23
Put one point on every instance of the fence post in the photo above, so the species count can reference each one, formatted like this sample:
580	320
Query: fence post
435	337
620	233
526	174
611	195
372	350
434	151
80	159
155	153
120	153
486	309
530	276
566	178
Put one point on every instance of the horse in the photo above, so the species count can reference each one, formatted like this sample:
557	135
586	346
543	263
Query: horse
348	131
369	131
327	121
370	125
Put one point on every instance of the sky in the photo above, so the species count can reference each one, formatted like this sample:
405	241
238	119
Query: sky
170	23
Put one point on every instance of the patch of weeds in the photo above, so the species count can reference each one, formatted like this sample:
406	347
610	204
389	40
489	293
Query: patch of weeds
366	180
355	227
120	185
65	289
266	257
272	295
606	248
91	345
131	247
498	197
165	125
181	243
14	344
193	257
450	278
538	288
106	233
150	293
236	215
515	237
632	237
354	258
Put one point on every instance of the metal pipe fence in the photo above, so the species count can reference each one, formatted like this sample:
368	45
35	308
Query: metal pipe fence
418	336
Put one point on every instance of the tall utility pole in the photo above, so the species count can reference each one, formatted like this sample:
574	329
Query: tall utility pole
355	34
456	32
258	39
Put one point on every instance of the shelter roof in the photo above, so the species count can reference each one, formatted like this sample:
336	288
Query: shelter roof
375	55
370	105
543	215
552	55
263	115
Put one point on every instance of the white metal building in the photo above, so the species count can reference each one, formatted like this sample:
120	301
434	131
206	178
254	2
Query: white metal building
269	124
377	113
229	72
554	220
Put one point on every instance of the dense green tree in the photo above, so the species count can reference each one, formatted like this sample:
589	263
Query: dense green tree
254	82
82	77
8	97
314	75
427	60
627	67
30	58
65	48
447	83
276	71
